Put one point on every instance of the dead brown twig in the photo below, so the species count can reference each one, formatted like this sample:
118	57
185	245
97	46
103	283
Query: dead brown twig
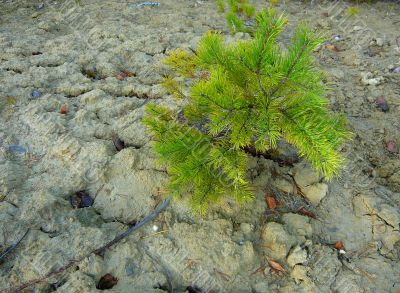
10	249
223	275
71	263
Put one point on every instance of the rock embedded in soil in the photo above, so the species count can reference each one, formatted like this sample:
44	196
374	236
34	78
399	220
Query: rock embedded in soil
297	256
299	274
316	192
298	225
379	42
382	104
305	175
309	182
276	241
246	228
367	78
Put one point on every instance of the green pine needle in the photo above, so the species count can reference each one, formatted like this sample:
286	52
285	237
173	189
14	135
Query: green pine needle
248	94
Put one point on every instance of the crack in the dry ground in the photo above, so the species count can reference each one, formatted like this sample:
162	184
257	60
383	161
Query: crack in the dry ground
382	219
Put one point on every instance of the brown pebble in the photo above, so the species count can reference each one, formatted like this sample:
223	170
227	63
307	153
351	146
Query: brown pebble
107	282
121	76
332	47
391	146
382	104
129	73
64	109
124	74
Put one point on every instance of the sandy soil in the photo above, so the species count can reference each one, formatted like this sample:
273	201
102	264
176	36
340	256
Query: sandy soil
73	52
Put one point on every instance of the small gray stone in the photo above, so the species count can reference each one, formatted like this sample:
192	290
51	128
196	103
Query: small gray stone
277	241
297	256
298	225
246	228
316	192
379	42
367	78
305	175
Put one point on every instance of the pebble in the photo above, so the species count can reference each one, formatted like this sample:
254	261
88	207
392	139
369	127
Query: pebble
379	42
150	4
64	109
391	146
368	79
382	104
36	94
107	282
17	149
81	200
246	228
316	192
337	38
297	256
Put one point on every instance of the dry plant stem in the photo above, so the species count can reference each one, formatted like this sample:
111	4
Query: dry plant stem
118	238
12	247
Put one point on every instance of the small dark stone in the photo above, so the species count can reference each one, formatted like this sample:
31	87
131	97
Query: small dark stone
36	94
382	104
75	201
107	282
86	201
118	143
194	289
81	200
181	117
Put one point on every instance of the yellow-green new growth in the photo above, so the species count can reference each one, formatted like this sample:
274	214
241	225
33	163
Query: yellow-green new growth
247	94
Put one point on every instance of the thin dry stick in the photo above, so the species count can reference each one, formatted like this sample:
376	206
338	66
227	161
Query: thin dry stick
12	247
118	238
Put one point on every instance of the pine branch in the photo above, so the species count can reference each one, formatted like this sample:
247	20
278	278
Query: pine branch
253	95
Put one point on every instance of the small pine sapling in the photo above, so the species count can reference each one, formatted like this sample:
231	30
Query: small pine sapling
240	96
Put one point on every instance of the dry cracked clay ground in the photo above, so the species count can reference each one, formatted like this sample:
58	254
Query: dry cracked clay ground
74	75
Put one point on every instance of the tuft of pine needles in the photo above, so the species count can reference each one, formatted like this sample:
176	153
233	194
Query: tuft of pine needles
247	94
353	11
